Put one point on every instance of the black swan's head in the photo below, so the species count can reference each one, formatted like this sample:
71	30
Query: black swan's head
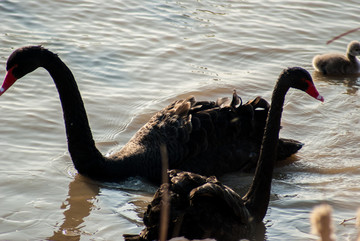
21	62
299	78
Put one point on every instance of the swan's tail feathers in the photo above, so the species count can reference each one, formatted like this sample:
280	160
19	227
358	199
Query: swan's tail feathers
288	147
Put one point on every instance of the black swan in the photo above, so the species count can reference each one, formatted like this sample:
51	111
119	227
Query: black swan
205	137
202	207
339	64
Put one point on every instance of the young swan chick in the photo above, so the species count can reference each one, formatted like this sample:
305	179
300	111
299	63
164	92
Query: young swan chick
339	64
321	222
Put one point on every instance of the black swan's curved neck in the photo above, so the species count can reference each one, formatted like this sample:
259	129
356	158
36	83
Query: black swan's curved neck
257	198
80	140
86	157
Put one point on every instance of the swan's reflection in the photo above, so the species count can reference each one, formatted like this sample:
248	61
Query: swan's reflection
78	205
352	82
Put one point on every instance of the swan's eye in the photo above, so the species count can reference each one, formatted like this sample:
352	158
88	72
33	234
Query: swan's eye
12	68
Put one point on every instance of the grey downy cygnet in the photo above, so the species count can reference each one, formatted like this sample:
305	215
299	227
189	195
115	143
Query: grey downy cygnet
339	64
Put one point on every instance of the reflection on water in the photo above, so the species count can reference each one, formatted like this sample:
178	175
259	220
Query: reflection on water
351	82
77	206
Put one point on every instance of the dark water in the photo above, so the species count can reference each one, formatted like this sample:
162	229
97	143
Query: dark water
131	58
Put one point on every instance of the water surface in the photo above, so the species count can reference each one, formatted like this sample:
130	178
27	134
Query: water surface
131	58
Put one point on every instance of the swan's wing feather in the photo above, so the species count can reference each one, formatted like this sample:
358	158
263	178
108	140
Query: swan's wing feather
219	193
212	138
201	137
199	207
219	140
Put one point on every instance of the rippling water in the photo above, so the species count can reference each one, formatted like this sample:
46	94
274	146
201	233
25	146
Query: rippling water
131	58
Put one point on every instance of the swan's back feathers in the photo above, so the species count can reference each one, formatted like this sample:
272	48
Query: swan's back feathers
213	189
200	207
205	137
216	133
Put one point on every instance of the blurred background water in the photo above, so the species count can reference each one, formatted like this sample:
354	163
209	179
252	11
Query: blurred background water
130	59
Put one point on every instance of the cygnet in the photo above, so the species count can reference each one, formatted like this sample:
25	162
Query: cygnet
339	64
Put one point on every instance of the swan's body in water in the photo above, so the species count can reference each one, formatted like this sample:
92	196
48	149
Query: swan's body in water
339	64
205	137
202	207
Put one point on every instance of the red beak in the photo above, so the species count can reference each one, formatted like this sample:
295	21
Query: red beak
9	81
312	91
